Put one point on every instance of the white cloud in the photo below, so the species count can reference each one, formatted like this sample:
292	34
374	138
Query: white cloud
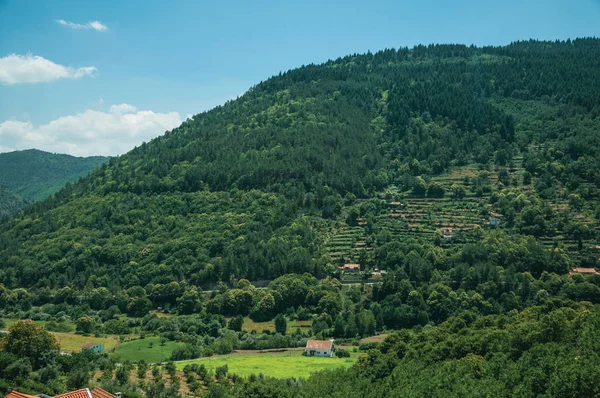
5	149
15	68
122	108
95	25
90	132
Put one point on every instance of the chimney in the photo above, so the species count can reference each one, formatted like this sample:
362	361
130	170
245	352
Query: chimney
118	394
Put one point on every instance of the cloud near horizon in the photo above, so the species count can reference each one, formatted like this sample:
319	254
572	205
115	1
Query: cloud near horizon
94	25
16	69
90	132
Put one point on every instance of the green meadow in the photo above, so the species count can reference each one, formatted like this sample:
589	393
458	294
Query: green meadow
279	365
148	349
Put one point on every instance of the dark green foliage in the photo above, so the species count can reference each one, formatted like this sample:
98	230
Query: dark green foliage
221	372
290	147
236	323
10	203
280	324
32	175
341	353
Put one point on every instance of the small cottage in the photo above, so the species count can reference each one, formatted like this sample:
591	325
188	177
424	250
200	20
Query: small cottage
351	268
319	348
94	347
584	271
446	233
495	219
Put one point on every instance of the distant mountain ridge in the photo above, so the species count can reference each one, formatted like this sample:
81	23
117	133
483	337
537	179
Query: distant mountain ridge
32	175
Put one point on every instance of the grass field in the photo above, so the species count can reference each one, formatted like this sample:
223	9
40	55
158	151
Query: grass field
148	349
73	342
249	325
279	364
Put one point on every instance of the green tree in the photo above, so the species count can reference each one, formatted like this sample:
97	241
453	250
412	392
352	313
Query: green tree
25	339
122	375
419	187
85	324
435	190
142	368
190	301
236	323
280	324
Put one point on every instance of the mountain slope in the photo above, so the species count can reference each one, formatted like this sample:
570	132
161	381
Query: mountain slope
253	188
10	203
34	175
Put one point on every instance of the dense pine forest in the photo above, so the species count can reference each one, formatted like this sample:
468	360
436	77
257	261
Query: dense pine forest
463	181
33	175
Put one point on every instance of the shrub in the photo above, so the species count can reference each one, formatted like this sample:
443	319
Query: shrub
341	353
367	346
221	371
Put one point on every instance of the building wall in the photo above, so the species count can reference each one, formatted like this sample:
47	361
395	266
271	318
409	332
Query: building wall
319	353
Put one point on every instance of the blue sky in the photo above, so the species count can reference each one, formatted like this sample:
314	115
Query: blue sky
146	65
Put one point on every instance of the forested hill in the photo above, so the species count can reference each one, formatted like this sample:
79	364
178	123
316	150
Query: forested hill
32	175
10	203
260	186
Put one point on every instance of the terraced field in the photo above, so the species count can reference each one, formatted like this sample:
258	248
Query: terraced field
344	243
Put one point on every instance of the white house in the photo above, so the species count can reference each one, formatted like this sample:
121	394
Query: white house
319	348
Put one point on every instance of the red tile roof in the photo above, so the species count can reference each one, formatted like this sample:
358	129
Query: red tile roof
88	345
351	266
83	393
97	392
584	271
319	344
16	394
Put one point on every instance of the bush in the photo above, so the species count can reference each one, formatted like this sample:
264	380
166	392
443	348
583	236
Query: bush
221	371
53	326
187	352
367	346
341	353
236	323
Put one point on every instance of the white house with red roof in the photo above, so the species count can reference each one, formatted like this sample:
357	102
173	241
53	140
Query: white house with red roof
319	348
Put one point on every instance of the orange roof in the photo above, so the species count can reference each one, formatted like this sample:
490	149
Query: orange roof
352	266
97	392
16	394
83	393
584	271
319	344
88	345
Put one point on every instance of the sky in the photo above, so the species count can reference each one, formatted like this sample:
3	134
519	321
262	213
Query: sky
101	77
